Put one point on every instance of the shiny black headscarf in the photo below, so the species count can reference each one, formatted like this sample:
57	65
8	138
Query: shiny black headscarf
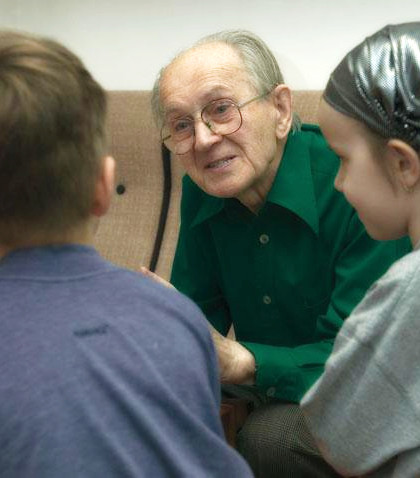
378	83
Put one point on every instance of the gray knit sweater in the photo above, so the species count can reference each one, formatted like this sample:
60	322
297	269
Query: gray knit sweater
364	411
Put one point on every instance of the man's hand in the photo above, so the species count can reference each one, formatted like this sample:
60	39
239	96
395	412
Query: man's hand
147	272
236	363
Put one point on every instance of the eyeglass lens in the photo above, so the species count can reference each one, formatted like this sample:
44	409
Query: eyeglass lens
221	116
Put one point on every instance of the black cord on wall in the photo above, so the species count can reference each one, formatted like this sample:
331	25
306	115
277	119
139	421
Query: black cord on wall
166	198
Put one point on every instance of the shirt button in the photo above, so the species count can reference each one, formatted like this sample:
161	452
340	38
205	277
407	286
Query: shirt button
264	238
267	300
271	392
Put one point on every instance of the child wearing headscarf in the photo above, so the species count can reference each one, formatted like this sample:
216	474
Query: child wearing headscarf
364	411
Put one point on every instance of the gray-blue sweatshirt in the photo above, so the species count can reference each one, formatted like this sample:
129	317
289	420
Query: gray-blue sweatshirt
104	373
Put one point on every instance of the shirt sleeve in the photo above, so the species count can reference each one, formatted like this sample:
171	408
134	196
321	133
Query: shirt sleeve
195	269
193	274
287	372
364	410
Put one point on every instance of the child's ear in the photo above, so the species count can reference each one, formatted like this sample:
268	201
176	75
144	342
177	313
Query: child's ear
282	98
104	188
406	163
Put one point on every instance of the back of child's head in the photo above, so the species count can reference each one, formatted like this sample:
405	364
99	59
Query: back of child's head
378	83
52	137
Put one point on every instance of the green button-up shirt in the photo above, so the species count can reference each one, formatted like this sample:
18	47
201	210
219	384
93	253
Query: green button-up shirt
287	277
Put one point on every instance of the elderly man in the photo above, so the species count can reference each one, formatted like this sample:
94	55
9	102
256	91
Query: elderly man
266	243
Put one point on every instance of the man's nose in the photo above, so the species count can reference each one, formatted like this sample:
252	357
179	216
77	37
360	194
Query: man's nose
204	136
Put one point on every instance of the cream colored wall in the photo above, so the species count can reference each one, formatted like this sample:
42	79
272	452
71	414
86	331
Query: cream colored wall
125	42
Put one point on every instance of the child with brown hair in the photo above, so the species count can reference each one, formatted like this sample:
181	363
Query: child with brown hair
104	373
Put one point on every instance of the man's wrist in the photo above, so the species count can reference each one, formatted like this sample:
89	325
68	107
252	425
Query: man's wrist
246	366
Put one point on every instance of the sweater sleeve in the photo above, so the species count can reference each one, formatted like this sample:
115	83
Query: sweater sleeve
187	396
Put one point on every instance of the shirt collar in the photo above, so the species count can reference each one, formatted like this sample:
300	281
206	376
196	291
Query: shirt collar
292	188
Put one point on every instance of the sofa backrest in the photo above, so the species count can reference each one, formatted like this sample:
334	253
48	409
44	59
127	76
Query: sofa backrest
142	225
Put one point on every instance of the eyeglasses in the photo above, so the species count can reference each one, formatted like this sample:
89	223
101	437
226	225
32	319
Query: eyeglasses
222	117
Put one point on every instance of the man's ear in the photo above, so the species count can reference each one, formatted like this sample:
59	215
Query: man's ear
104	188
282	98
406	163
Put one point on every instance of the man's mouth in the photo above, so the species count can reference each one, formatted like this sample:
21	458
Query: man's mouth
221	163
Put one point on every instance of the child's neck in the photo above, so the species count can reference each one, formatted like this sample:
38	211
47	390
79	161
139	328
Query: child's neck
83	235
414	221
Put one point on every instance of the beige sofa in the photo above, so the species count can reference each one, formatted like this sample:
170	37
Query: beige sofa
142	226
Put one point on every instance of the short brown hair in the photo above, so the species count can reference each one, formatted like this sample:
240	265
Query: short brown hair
52	136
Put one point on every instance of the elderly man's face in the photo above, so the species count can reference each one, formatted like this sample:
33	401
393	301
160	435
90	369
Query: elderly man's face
241	164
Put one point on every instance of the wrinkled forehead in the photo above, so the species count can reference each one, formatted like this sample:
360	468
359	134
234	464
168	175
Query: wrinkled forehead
202	74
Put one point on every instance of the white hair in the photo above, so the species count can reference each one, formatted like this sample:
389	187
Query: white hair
260	64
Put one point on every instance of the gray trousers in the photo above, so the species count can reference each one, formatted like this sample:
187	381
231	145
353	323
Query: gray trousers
275	439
